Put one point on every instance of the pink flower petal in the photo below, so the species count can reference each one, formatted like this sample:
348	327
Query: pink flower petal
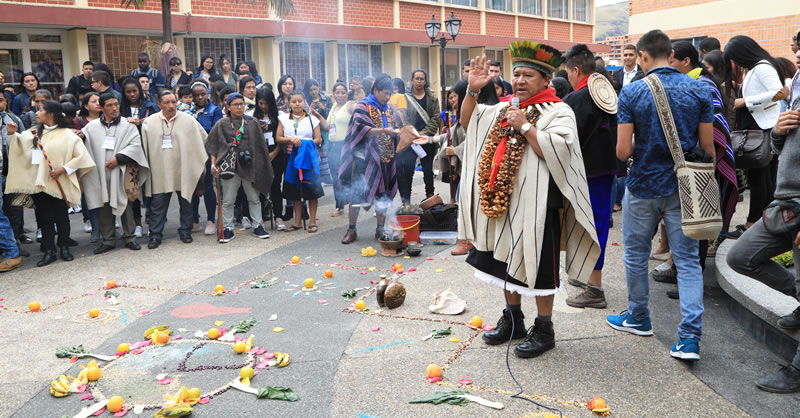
81	388
253	351
255	373
177	337
412	269
348	259
261	351
92	293
122	412
144	312
373	281
488	327
204	400
63	297
337	264
139	351
322	302
429	258
141	344
2	306
434	379
120	354
465	381
235	292
100	412
269	356
443	258
128	282
103	277
616	244
86	396
2	299
376	329
165	381
364	272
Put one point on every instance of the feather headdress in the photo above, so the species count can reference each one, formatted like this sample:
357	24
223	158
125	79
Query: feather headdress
542	57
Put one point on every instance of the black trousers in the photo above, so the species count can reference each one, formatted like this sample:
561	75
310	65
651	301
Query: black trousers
275	195
52	210
14	214
159	204
762	189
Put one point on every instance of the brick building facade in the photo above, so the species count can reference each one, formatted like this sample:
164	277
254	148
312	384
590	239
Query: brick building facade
770	22
324	39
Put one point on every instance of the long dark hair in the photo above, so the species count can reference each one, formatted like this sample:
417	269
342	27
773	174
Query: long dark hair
461	90
307	89
126	104
716	60
268	96
281	82
22	80
400	84
54	107
685	49
85	101
745	52
200	68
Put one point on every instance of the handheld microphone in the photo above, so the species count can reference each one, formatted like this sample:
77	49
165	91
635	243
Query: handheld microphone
514	103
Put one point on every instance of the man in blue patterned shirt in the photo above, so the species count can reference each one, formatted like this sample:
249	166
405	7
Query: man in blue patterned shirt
653	189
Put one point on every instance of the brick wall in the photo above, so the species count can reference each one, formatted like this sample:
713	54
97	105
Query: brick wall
229	8
368	13
644	6
558	31
319	11
500	24
414	16
582	33
774	34
122	52
531	28
470	21
51	2
149	5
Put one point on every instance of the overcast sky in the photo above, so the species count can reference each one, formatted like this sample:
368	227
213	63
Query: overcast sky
606	2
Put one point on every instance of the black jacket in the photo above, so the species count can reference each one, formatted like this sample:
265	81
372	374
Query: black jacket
619	76
597	133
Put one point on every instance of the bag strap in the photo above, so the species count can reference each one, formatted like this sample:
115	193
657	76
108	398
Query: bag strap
667	122
415	104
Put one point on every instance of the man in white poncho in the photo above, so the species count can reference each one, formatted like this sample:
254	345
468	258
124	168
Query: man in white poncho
524	185
115	146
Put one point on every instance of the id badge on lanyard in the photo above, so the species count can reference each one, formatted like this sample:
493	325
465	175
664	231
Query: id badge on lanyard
166	141
109	142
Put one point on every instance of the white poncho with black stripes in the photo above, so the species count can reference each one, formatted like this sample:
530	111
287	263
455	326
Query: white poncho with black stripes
558	138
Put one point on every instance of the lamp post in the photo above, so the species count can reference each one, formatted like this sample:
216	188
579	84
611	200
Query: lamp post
453	26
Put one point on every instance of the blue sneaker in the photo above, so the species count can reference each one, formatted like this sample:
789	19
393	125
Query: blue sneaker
686	349
625	322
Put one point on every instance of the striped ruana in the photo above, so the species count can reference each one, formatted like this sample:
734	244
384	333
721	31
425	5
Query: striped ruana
558	137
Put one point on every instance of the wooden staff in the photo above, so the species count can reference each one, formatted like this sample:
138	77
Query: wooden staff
449	158
50	165
219	212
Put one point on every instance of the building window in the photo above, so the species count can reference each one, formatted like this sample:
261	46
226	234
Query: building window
358	60
581	10
216	47
502	5
558	9
530	7
11	65
424	59
95	50
41	53
318	64
694	41
471	3
296	62
376	58
406	62
244	50
190	54
342	53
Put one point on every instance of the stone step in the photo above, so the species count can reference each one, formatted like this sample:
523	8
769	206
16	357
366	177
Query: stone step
758	306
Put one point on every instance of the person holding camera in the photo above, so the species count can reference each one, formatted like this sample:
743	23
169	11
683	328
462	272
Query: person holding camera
239	157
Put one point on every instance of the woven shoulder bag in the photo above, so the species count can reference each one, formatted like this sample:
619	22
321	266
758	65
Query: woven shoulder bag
701	218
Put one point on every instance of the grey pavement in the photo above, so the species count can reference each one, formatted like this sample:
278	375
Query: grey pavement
349	363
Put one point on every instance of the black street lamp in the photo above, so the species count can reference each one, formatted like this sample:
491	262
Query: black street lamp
433	28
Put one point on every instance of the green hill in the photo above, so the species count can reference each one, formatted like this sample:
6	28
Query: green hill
611	20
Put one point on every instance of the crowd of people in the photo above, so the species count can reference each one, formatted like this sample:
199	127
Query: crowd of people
551	154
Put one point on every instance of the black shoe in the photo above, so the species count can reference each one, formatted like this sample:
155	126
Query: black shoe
740	229
187	239
66	255
25	239
785	380
49	257
227	235
154	243
288	215
103	248
502	332
673	293
791	321
71	242
669	276
23	252
540	339
133	245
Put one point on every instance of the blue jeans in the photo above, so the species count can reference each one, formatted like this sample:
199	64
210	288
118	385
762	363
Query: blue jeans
8	245
618	189
639	220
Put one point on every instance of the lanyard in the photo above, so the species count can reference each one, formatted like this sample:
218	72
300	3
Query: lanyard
297	122
237	133
164	122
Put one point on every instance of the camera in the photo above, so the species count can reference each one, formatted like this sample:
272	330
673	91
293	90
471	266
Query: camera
245	158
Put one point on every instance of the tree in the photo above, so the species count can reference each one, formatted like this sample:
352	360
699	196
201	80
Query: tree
281	8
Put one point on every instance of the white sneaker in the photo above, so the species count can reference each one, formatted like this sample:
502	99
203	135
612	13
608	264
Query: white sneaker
663	267
280	227
138	232
87	227
70	211
39	234
246	222
77	209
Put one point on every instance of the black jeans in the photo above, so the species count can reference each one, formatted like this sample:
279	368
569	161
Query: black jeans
275	195
52	210
209	198
427	168
762	189
159	204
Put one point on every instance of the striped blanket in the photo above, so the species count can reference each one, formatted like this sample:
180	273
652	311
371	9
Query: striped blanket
558	138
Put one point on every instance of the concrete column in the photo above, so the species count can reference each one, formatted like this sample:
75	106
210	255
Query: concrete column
77	50
81	3
507	70
184	6
392	59
414	59
267	55
181	44
331	63
516	26
436	63
477	51
340	12
396	14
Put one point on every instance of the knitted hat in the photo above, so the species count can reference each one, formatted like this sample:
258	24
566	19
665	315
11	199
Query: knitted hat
541	57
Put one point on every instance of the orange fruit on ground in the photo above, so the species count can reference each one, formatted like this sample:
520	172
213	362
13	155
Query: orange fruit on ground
93	313
123	348
246	372
240	347
433	370
397	267
162	337
476	321
34	306
308	283
295	260
328	274
213	333
115	404
193	393
219	288
93	373
111	284
360	305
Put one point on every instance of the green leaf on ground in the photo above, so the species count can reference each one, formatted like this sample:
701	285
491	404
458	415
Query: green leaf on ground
280	393
68	352
454	397
441	333
244	325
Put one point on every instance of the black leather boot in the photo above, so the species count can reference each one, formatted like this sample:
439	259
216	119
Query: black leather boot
23	252
540	339
502	332
66	255
49	257
785	380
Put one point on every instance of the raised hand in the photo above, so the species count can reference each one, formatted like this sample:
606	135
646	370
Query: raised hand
479	73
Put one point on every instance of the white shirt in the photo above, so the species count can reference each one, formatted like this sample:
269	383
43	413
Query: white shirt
627	76
304	129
